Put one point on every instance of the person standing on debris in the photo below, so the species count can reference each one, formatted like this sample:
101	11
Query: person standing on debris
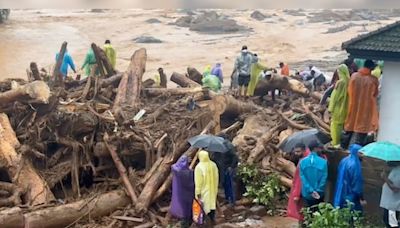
212	82
351	66
161	78
284	69
227	163
182	191
206	184
67	62
243	66
349	184
256	69
338	104
313	174
362	115
110	53
390	198
318	78
90	61
217	71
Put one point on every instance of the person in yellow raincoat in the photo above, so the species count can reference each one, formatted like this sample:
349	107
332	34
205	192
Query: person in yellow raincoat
110	53
256	69
207	70
206	184
338	104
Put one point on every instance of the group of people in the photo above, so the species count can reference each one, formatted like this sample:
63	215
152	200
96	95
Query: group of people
310	179
353	104
89	62
214	169
248	71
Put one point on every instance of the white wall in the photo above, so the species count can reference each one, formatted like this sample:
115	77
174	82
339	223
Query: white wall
389	111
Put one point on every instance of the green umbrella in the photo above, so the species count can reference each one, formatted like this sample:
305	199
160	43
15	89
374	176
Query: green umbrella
382	150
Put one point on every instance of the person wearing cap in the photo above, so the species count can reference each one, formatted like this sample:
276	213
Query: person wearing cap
243	67
313	175
362	115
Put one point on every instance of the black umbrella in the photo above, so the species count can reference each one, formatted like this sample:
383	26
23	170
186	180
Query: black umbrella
305	137
209	142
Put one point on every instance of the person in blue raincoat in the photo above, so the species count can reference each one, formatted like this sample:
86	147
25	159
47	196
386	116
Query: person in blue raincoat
67	62
349	184
313	175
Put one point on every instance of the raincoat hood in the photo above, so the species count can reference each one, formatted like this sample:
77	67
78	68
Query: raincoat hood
349	185
354	150
181	164
204	157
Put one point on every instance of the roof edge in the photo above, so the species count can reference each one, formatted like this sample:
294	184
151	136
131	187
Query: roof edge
369	34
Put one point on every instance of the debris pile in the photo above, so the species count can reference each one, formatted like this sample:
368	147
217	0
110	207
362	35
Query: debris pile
76	151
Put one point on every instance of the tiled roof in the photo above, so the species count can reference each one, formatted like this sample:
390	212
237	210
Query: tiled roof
384	40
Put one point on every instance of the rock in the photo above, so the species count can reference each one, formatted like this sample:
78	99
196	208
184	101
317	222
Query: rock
258	210
184	21
258	15
340	28
239	209
295	13
147	40
97	10
210	22
153	21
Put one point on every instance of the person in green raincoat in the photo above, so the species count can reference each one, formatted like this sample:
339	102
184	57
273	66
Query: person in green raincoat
377	72
90	60
256	69
338	104
212	82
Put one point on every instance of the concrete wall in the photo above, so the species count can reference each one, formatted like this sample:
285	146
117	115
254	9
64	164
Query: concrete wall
389	112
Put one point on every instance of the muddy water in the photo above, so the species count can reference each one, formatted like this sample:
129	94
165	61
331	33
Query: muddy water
22	43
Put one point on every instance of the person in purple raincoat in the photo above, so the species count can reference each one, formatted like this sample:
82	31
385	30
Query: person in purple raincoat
217	71
182	191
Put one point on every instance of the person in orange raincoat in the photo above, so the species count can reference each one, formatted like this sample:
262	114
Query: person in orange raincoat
284	69
362	116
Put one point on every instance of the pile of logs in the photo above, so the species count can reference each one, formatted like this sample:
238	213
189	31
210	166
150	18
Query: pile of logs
73	150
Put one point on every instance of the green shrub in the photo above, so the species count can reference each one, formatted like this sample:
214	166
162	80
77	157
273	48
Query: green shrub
328	216
263	189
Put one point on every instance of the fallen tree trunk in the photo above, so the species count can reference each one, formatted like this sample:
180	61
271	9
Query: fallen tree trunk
57	75
228	105
34	72
183	81
34	92
131	82
20	170
160	176
121	169
283	83
261	143
174	91
194	75
65	215
96	52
